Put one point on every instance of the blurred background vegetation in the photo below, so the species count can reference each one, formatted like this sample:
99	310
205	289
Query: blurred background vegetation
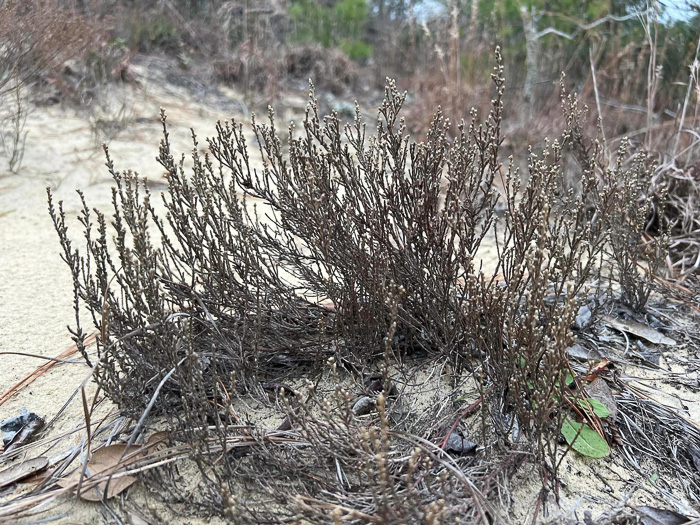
634	61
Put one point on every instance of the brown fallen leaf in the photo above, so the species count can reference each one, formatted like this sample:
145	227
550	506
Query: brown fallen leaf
157	441
116	487
108	463
22	470
583	354
654	516
600	391
638	329
113	456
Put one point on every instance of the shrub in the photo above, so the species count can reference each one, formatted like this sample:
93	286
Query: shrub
358	251
629	240
13	118
624	206
356	50
149	35
39	36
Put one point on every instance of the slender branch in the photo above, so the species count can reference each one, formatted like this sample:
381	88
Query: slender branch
586	27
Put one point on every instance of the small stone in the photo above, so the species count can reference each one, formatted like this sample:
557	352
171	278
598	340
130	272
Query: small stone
363	405
459	445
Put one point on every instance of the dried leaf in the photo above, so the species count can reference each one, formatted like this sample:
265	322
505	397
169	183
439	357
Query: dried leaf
363	405
583	354
22	470
11	426
110	457
19	430
116	487
156	441
651	357
638	329
584	440
106	461
654	516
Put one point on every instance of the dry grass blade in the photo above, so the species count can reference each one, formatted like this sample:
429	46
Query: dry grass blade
13	390
22	470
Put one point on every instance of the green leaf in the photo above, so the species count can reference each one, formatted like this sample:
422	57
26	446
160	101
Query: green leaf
568	380
599	409
584	440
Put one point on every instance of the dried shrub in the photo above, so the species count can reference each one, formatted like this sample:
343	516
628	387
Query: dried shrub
623	203
629	240
679	187
345	232
264	69
550	251
155	308
331	69
252	68
13	118
360	251
356	215
37	37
